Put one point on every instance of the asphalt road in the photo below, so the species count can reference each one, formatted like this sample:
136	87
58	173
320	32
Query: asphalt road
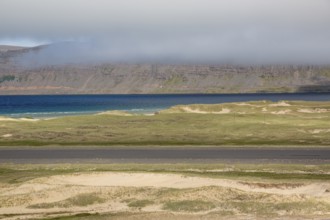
166	155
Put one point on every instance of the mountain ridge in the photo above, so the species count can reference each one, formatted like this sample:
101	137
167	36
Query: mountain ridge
111	78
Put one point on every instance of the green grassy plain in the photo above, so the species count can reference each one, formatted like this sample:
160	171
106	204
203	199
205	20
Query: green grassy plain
253	123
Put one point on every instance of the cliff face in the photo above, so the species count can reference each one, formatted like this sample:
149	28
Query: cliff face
138	79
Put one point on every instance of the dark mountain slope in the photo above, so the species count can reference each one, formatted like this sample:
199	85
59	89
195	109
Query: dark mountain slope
144	78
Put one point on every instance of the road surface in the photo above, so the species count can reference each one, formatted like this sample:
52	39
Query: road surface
165	155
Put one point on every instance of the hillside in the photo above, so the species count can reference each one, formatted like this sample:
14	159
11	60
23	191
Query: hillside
6	48
161	78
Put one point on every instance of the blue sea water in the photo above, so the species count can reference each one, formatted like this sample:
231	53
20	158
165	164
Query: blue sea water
59	105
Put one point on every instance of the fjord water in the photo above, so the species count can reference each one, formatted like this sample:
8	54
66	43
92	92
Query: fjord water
60	105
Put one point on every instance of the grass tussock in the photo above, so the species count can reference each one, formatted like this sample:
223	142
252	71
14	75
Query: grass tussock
84	199
140	203
188	206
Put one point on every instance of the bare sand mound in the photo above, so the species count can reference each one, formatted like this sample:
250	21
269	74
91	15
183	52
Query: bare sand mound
178	181
115	113
198	111
17	119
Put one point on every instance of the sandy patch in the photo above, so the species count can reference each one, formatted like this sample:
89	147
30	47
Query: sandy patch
317	131
174	181
7	119
280	104
282	112
243	104
149	114
28	119
318	110
7	135
198	111
18	119
115	186
116	113
223	111
26	213
27	188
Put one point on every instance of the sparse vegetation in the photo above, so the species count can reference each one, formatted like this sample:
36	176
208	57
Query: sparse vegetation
212	201
84	199
189	206
7	78
80	216
174	80
140	203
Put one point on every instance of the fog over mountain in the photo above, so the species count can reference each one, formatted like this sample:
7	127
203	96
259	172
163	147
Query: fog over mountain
158	46
127	78
171	32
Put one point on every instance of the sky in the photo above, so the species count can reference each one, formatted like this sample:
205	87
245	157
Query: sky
174	31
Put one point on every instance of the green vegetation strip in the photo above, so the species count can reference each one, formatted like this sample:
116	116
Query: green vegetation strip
253	123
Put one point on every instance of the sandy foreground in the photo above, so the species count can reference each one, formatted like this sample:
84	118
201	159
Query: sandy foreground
52	196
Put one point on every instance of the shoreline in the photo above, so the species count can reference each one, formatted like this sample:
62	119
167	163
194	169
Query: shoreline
131	105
